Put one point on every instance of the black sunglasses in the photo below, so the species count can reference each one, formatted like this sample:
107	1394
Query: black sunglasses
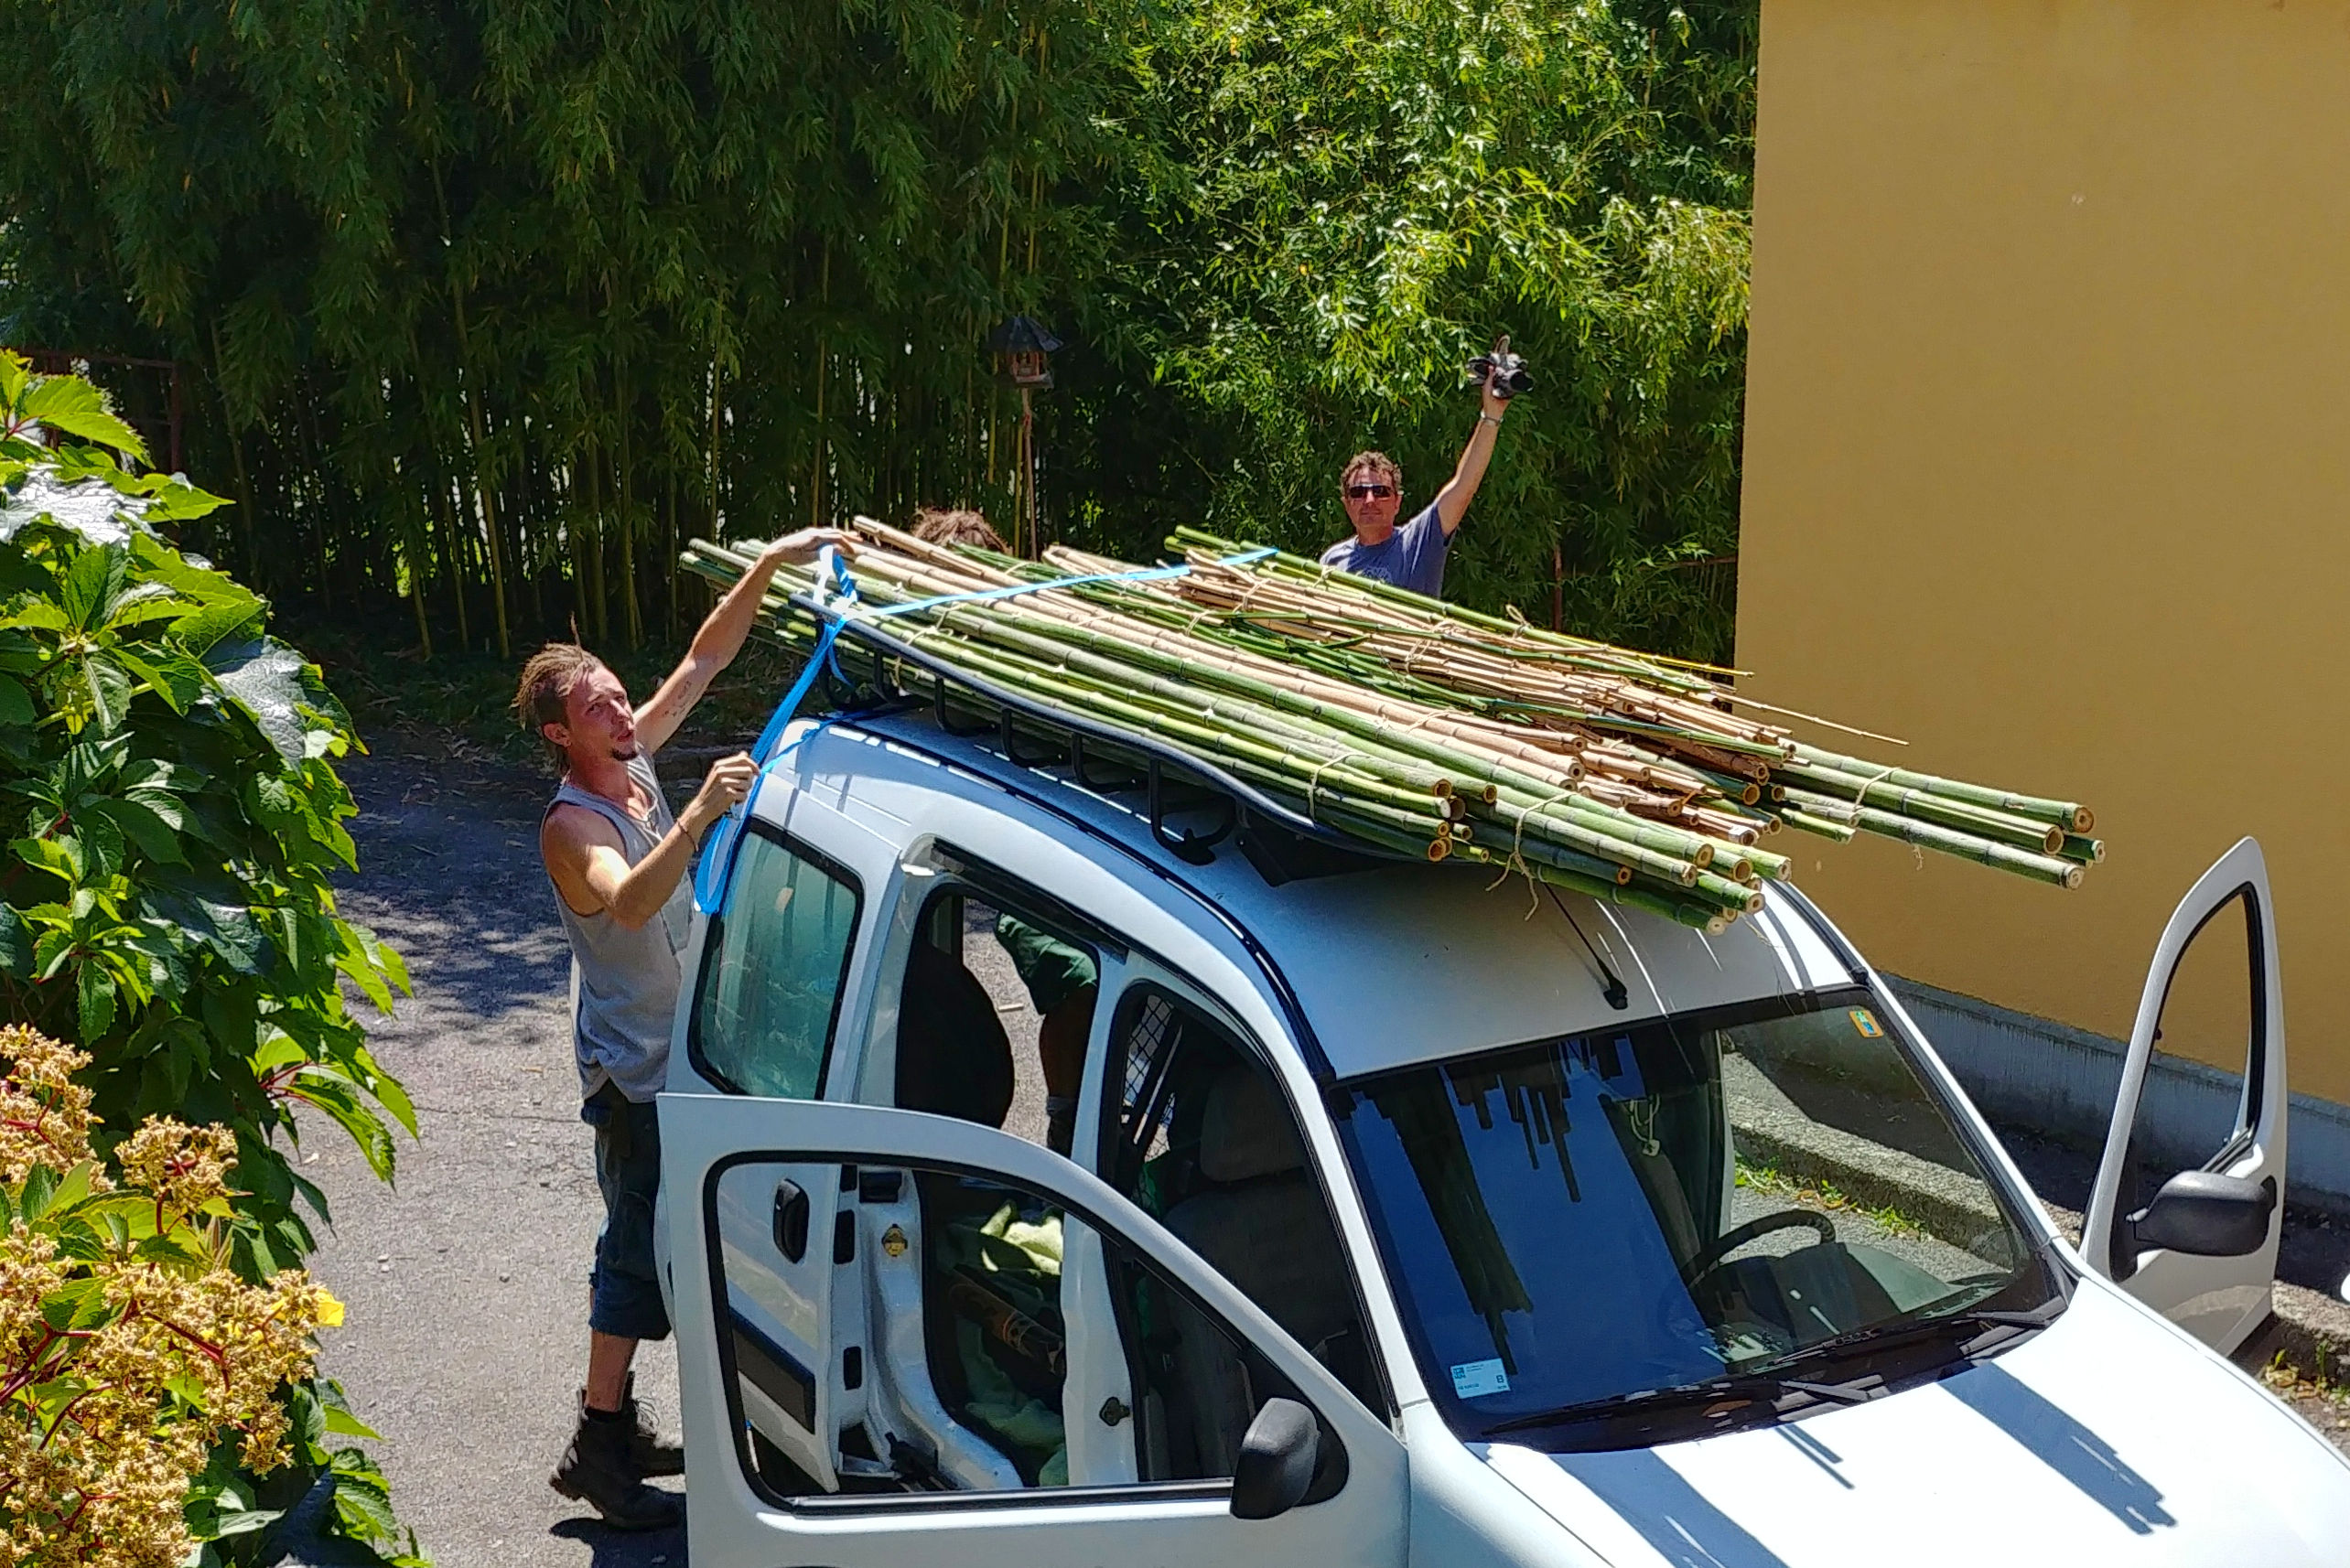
1369	492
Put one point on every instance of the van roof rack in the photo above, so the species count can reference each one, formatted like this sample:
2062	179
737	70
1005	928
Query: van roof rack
1284	844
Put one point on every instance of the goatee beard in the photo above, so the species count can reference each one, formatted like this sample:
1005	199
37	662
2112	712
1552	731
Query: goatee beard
624	753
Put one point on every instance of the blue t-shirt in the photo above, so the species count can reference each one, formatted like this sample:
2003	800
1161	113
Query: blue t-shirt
1411	557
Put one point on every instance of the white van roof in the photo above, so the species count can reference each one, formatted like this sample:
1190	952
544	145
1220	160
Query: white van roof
1400	963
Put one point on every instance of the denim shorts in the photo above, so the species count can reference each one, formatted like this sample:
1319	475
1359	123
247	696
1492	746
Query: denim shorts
624	1287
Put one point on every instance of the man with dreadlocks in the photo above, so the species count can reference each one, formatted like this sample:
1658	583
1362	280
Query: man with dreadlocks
618	862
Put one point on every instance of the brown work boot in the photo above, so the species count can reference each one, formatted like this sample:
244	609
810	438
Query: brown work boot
648	1453
598	1470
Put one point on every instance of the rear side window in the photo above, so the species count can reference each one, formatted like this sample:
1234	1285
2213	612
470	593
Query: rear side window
774	969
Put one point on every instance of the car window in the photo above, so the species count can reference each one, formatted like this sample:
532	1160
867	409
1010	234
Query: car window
1199	1132
995	1346
995	1010
772	970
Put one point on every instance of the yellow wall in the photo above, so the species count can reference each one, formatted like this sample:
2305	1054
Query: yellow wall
2048	463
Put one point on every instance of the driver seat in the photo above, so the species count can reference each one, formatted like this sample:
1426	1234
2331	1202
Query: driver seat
1259	1220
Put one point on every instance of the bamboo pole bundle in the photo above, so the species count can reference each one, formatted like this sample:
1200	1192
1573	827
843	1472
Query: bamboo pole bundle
2033	836
1339	771
1419	727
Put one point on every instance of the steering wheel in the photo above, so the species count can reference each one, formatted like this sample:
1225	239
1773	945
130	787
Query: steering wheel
1710	1258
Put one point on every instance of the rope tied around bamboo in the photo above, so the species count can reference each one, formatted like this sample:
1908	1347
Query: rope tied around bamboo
1404	722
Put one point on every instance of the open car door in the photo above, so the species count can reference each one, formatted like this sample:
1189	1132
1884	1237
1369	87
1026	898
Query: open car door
949	1308
2200	1247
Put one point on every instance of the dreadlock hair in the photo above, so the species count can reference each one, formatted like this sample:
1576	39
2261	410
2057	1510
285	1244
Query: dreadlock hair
545	687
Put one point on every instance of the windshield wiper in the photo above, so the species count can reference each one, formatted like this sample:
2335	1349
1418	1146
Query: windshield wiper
1759	1387
1975	1319
1747	1388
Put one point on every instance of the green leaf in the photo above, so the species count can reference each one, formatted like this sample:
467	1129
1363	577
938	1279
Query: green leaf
59	858
357	962
16	703
102	845
72	405
91	584
198	630
95	998
39	1185
175	677
229	932
15	943
144	827
331	1092
243	1522
266	678
342	1424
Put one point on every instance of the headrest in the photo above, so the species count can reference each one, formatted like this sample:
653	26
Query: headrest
1245	1129
953	1057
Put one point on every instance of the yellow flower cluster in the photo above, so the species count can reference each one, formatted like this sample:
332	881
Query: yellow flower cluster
119	1371
43	1114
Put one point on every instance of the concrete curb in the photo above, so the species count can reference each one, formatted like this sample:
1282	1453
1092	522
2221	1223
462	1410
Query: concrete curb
2061	1081
2307	1331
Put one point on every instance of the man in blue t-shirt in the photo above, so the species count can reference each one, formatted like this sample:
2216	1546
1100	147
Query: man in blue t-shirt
1412	556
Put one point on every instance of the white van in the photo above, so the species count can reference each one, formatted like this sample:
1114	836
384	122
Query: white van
1407	1218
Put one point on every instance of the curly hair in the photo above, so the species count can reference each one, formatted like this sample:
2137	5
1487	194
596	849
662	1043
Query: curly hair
938	525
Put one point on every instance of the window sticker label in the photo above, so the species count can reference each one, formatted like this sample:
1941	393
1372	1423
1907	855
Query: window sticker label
1866	1021
1474	1380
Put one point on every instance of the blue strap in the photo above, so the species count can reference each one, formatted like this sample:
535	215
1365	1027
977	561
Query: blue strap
717	855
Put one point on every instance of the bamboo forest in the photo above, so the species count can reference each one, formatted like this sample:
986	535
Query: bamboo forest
477	312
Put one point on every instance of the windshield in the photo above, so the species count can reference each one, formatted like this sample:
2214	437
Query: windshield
1697	1197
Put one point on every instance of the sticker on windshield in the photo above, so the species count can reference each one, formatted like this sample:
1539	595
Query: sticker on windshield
1866	1021
1474	1379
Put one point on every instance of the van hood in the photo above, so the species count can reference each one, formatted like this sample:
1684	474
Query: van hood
2104	1439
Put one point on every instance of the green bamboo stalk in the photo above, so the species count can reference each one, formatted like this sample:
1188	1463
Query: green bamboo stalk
1637	896
2039	837
2063	813
2086	851
1966	847
1839	832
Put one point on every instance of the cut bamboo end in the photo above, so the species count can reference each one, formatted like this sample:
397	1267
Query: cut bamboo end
1438	849
2084	819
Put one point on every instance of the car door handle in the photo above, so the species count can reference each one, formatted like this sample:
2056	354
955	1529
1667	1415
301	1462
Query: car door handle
791	1220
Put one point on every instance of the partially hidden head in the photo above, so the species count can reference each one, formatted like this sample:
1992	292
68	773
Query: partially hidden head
1372	485
941	525
571	700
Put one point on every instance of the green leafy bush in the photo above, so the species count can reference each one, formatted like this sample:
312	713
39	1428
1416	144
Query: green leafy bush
173	819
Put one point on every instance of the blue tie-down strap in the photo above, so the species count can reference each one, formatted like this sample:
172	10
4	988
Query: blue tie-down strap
712	872
711	875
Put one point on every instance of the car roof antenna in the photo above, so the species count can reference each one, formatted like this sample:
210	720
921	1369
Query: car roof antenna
1617	996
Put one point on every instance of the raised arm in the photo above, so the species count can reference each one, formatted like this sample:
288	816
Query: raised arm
722	634
1452	501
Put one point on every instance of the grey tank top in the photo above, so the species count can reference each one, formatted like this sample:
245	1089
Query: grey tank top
624	984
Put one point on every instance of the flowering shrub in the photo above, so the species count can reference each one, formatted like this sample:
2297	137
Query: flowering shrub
129	1347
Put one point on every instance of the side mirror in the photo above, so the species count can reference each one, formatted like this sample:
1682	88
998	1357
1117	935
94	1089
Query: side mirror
1277	1460
2209	1215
